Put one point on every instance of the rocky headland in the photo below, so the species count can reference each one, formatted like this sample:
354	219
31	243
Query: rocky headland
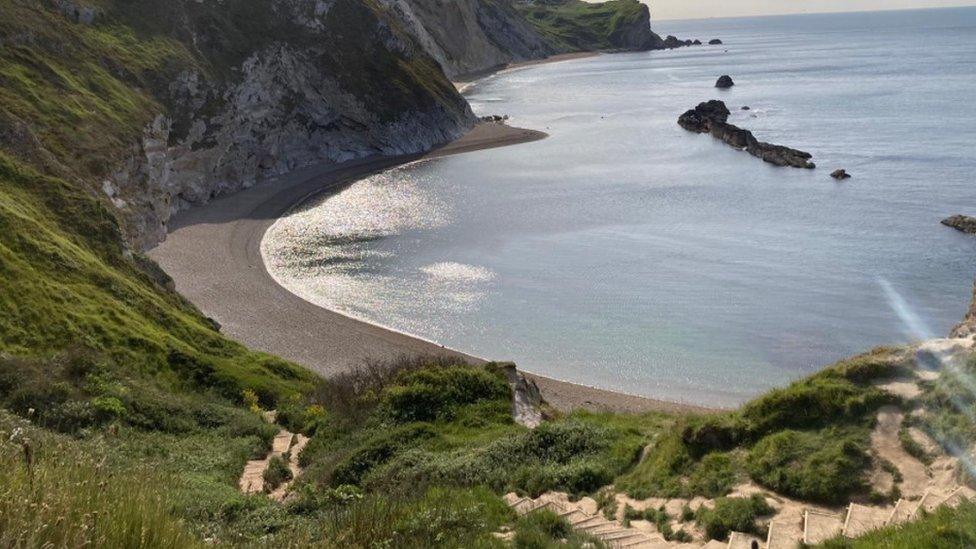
962	223
711	117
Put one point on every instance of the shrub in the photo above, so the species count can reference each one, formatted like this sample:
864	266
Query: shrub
276	474
812	403
545	529
825	466
436	393
732	514
713	476
439	517
376	451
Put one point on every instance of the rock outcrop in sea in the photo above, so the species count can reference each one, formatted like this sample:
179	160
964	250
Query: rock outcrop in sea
963	223
840	174
724	82
714	42
712	117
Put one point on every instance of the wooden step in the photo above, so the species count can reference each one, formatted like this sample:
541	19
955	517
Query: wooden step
741	540
783	535
623	537
930	501
606	530
595	521
574	515
862	519
818	527
904	511
958	497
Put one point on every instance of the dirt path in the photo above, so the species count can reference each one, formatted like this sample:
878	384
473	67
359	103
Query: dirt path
886	444
284	443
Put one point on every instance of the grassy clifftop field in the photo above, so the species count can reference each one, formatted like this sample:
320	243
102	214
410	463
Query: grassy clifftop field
574	25
126	418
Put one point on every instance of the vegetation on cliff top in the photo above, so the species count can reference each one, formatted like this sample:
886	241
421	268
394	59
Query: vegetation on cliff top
574	25
124	414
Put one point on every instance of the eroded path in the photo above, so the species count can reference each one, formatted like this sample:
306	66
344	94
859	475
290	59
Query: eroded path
285	445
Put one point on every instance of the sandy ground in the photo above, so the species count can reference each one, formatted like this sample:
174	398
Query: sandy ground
465	82
213	254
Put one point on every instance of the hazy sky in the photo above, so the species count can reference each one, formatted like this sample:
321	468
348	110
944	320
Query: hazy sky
690	9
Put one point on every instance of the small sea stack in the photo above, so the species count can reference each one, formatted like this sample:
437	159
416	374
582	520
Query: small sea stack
963	223
712	117
724	82
840	174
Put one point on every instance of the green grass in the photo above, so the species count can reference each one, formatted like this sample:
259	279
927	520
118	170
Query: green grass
808	440
733	514
451	425
574	25
546	530
944	529
823	466
52	495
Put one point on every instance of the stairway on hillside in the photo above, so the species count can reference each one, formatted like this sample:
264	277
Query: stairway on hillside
285	442
816	526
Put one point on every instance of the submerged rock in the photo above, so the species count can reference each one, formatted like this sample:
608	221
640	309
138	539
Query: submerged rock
724	82
962	223
745	107
840	174
712	117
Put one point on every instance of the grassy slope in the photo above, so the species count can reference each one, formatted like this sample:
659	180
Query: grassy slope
132	383
574	25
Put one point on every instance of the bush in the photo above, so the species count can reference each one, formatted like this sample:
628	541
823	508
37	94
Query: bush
436	393
439	517
733	514
812	403
276	474
825	466
376	451
545	529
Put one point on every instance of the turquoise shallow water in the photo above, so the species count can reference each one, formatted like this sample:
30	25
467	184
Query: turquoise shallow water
626	253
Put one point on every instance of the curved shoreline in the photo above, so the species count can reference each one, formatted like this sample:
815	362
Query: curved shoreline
213	254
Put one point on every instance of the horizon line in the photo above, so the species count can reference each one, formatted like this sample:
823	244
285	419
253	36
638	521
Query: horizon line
826	12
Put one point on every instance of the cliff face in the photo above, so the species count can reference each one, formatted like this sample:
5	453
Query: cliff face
164	105
469	36
332	81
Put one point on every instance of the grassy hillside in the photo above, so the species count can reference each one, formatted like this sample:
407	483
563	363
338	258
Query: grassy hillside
574	25
126	418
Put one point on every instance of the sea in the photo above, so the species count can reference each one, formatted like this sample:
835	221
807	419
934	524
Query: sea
625	253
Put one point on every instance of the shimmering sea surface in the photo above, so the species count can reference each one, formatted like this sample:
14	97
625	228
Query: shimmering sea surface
625	253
